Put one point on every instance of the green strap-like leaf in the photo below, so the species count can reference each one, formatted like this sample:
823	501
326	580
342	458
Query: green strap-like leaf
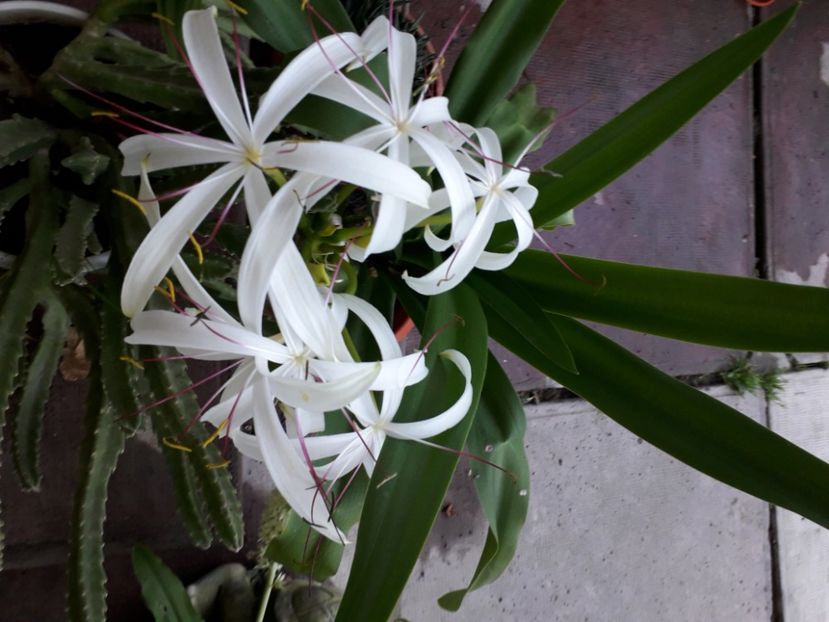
163	593
102	445
20	138
603	156
71	239
410	480
28	418
508	299
170	420
725	311
497	436
285	26
683	422
24	285
496	54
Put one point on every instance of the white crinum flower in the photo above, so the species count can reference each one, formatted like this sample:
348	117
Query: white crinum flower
246	152
307	368
403	132
504	192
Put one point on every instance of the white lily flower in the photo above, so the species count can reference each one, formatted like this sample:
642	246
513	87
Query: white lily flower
246	153
363	446
505	194
402	127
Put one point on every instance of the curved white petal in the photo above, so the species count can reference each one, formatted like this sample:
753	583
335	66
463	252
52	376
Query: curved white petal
373	40
166	150
323	396
300	304
447	419
394	373
340	89
248	445
163	243
300	76
523	226
377	325
461	262
167	328
402	54
327	445
257	194
355	165
430	111
288	471
268	239
461	199
391	213
201	39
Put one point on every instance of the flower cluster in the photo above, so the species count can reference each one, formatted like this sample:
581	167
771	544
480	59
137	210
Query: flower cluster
285	383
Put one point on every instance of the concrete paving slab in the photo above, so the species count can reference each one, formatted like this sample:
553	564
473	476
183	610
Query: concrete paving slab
803	546
617	531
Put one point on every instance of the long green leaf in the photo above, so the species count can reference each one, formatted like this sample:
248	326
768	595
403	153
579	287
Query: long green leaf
171	420
28	419
498	436
286	27
410	480
509	300
725	311
102	445
614	148
685	423
24	285
163	593
496	54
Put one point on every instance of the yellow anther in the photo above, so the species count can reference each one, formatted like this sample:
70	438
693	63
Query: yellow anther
104	113
171	289
304	4
134	362
215	434
197	248
174	445
162	291
163	18
236	7
132	200
218	465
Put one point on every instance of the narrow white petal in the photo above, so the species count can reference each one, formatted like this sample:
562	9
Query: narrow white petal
324	396
201	39
393	373
301	305
302	74
430	111
375	39
402	58
447	419
328	445
461	199
391	213
340	89
491	147
162	151
523	226
163	243
272	234
167	328
310	421
248	445
360	167
257	194
377	325
288	471
461	262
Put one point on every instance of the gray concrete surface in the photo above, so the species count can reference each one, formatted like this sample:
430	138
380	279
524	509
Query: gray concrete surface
617	531
801	416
